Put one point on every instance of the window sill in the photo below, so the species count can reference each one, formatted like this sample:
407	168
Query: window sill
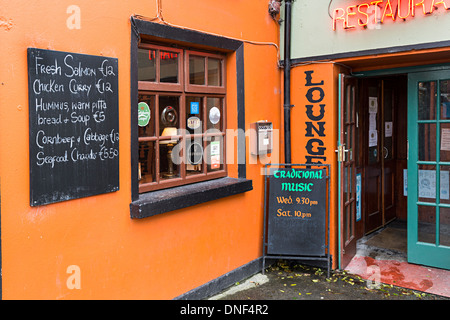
161	201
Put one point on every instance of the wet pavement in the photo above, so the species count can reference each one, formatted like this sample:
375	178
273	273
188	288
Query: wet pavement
287	280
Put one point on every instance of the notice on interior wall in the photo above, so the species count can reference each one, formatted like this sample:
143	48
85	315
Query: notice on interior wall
405	182
373	138
358	197
445	139
372	121
373	104
388	129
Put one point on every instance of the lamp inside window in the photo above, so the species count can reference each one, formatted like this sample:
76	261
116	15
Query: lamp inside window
169	131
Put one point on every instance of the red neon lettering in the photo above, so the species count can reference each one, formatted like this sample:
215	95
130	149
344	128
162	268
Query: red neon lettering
414	5
434	5
168	55
375	4
380	10
350	12
336	18
163	55
392	15
400	9
361	22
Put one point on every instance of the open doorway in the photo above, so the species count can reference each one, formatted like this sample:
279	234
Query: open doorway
395	157
395	148
382	155
381	165
373	157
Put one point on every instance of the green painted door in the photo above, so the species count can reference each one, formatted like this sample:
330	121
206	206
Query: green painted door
429	168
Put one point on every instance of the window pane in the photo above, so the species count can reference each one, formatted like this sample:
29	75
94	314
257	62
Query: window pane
169	115
146	65
444	227
445	99
444	148
347	223
146	115
427	141
169	166
196	70
427	183
349	103
346	191
147	156
214	112
214	72
194	115
427	100
169	123
349	143
444	183
169	67
351	227
426	227
194	156
214	154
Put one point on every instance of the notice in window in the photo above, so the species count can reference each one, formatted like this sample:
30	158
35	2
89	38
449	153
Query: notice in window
445	139
215	155
427	184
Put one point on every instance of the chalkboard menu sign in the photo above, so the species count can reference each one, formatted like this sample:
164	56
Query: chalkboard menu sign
296	213
74	125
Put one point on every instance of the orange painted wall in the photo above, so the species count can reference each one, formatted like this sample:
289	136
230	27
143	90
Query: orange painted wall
323	79
160	257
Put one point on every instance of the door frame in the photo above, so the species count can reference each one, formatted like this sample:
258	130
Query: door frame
372	73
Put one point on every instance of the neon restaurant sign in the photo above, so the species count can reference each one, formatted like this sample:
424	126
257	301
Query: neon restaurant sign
373	13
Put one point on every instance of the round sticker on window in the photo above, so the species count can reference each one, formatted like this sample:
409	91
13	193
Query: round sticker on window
144	114
214	115
193	123
169	116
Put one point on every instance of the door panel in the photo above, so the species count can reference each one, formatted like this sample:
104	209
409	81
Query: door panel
380	100
346	157
373	204
428	168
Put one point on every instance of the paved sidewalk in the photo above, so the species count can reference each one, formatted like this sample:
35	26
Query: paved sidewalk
287	280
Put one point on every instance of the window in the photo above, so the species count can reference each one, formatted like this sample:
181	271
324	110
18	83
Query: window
147	80
181	116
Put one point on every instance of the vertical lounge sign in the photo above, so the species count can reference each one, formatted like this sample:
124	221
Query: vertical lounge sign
315	124
373	13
